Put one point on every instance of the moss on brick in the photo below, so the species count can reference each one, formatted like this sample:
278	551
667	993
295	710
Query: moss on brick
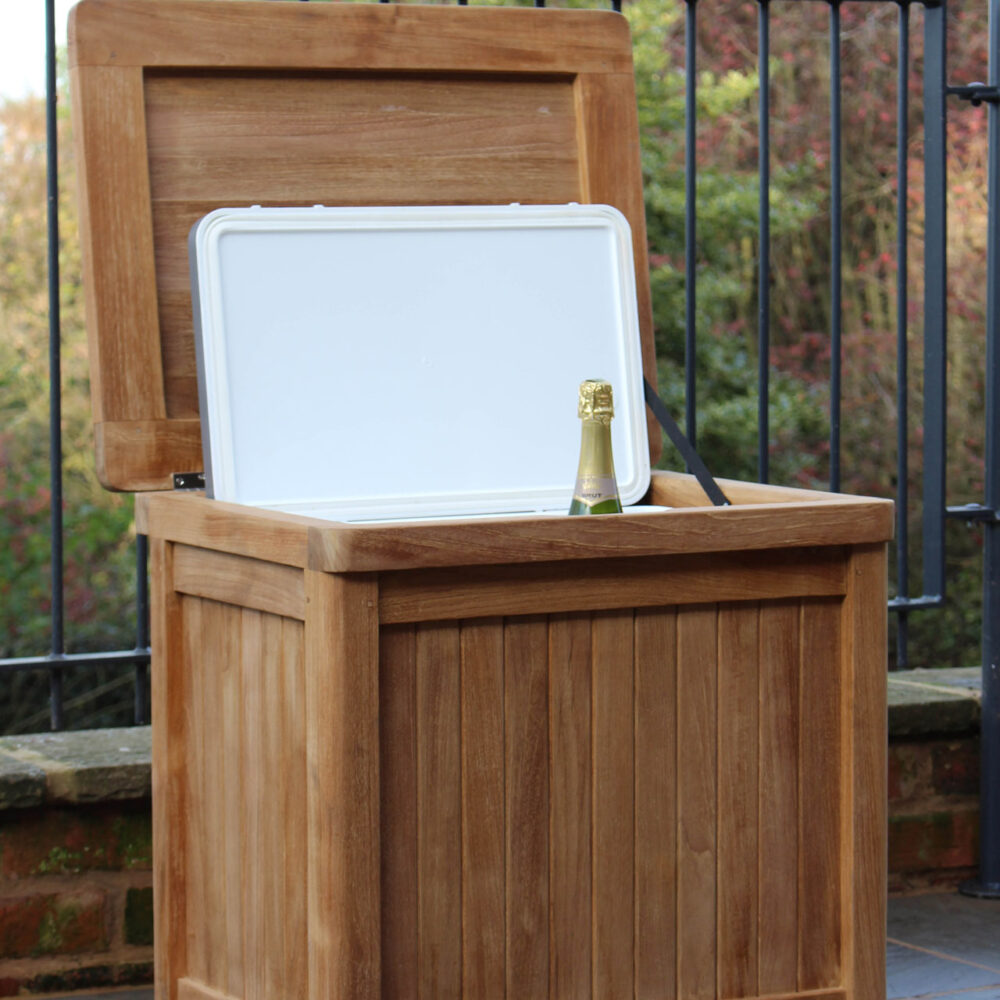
134	837
71	926
20	920
67	841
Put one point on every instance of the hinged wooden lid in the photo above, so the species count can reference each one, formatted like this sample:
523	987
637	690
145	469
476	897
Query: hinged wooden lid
184	106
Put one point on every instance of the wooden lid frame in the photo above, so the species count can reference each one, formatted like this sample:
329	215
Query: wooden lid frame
184	106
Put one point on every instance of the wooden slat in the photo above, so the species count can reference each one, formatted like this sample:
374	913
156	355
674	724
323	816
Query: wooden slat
570	784
696	803
255	794
527	807
246	583
292	785
123	334
613	804
655	803
342	749
195	829
779	802
171	776
190	33
398	756
863	868
191	518
483	875
472	592
821	795
385	547
231	791
439	812
680	489
272	771
738	799
220	643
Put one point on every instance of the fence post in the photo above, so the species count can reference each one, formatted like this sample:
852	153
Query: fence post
988	882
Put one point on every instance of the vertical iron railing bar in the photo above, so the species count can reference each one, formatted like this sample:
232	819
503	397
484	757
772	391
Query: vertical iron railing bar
141	713
55	370
902	325
935	299
764	251
988	881
690	224
836	244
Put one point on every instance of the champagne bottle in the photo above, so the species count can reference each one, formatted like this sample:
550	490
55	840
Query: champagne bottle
596	489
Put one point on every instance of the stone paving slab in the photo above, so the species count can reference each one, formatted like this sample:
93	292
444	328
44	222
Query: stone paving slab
943	944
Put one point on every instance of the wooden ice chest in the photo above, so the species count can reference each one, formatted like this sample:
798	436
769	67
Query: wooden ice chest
626	756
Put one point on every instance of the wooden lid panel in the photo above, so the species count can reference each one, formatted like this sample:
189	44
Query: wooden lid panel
185	106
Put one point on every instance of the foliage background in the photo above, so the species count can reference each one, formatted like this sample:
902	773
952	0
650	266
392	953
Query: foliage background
99	560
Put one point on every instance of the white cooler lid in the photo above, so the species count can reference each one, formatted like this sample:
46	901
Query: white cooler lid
374	363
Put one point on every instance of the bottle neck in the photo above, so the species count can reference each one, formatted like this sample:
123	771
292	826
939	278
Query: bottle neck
595	448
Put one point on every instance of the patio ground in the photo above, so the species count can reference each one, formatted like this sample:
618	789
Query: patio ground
942	945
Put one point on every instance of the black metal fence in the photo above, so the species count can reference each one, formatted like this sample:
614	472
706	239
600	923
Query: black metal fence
985	511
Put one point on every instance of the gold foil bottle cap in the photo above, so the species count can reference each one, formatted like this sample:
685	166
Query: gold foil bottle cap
596	401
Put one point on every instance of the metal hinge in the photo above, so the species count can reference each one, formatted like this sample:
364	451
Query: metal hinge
189	480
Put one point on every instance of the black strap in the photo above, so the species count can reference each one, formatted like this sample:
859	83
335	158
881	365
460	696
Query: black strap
681	443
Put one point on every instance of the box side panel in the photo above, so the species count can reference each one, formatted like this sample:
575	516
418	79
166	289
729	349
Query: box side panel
234	805
640	802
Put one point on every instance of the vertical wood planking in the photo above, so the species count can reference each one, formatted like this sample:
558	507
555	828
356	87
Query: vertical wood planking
570	782
696	802
439	811
613	803
779	786
483	875
821	794
232	792
271	739
293	793
254	789
398	753
655	803
527	809
196	832
738	799
221	642
171	771
342	750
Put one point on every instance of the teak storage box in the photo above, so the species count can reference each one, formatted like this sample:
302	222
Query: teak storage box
624	756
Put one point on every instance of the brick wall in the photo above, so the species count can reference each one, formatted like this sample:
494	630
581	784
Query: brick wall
75	844
933	778
75	862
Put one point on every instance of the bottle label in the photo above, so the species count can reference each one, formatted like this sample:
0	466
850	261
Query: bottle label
591	490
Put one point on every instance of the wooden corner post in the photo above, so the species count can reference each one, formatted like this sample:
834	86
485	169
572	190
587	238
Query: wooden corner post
342	767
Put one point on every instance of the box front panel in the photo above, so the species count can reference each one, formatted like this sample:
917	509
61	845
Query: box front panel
620	803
